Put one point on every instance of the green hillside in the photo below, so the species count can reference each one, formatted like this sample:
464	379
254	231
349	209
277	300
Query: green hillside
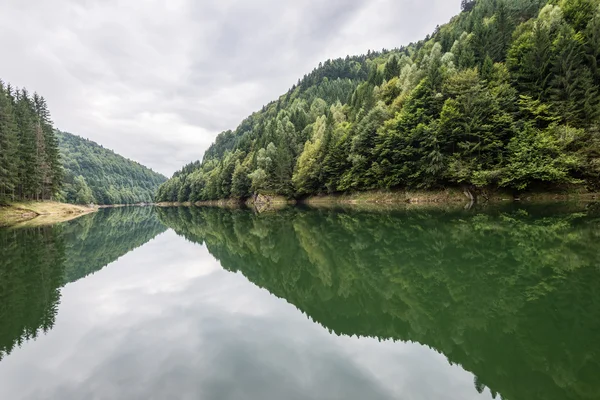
504	96
94	174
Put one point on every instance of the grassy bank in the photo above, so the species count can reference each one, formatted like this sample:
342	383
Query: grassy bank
40	213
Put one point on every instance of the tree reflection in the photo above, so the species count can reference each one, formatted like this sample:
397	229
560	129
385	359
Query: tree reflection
510	294
31	267
36	262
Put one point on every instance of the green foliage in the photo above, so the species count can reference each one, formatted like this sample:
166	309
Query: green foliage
9	163
464	107
83	192
94	174
540	156
29	159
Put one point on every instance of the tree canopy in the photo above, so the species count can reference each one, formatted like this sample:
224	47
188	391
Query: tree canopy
94	174
504	96
30	166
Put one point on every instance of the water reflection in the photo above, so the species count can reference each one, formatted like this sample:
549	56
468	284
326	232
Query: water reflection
511	295
31	272
36	262
166	321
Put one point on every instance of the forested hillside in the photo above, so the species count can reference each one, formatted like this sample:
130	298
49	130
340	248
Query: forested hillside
29	159
94	174
506	96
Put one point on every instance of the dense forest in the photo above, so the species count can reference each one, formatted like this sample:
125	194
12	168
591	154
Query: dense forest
509	294
505	96
30	166
94	174
35	263
38	162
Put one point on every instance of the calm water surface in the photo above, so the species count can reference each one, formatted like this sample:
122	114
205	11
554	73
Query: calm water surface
192	303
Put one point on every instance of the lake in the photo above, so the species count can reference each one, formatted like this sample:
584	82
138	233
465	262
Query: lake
331	303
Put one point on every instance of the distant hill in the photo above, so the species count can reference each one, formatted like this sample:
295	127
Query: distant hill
94	174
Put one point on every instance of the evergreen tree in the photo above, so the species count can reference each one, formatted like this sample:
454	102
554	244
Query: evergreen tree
530	61
30	170
9	163
570	77
502	35
53	173
392	68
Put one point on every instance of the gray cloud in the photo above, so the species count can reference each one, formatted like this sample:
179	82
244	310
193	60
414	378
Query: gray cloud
157	82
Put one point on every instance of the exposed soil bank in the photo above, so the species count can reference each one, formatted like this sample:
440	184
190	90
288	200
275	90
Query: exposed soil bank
124	205
444	197
40	213
453	196
256	201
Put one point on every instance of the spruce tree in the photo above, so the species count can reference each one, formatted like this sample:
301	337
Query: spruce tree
592	45
29	171
392	68
570	77
52	164
503	29
8	146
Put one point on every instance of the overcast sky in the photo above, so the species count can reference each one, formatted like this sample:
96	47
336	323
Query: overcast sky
157	80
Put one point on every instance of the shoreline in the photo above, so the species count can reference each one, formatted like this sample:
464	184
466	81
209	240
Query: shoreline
444	197
37	213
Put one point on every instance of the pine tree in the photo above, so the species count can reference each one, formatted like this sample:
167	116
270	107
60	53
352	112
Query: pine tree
503	29
51	164
29	168
592	45
530	61
570	77
467	5
463	52
392	68
8	146
487	69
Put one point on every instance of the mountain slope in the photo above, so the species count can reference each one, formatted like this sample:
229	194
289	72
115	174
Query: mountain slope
506	95
94	174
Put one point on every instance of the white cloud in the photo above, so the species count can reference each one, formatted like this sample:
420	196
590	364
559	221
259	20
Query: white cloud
158	81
